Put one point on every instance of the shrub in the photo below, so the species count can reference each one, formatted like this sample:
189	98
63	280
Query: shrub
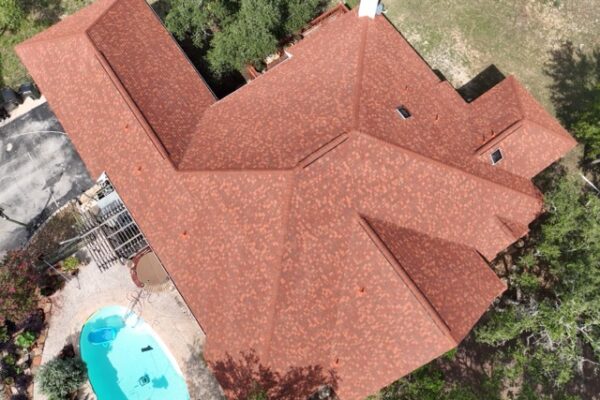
70	264
59	378
25	340
18	284
4	336
11	15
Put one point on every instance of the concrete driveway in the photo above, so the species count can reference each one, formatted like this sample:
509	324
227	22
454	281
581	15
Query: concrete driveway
39	172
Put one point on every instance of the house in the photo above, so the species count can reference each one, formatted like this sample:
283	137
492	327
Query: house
338	212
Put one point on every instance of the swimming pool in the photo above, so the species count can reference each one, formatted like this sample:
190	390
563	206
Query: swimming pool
126	359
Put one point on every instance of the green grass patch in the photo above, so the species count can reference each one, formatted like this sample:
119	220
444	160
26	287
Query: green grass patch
462	38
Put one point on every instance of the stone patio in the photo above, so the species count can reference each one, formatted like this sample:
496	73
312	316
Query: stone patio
165	312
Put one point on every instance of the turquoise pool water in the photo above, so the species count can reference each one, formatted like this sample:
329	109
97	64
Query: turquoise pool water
126	360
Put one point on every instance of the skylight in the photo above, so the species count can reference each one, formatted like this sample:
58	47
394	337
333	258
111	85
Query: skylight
404	113
496	156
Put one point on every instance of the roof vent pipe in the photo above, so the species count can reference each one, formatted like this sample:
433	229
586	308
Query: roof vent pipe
368	8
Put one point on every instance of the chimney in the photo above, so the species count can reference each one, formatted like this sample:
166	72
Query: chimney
368	8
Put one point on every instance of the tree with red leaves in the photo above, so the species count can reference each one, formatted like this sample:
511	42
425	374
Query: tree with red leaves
18	287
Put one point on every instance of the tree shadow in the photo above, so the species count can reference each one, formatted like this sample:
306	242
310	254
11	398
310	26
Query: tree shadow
481	83
586	385
161	8
574	73
470	365
45	11
549	179
245	375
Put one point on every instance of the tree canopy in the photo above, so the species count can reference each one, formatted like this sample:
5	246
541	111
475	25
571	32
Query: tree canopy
235	33
546	328
18	284
551	316
587	129
59	378
11	15
248	39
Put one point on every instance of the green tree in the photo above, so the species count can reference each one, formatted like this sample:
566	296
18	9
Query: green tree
430	383
60	378
298	12
11	15
18	284
198	19
248	39
236	33
556	317
587	129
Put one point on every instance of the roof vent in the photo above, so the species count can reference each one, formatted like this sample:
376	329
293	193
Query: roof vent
368	8
403	111
496	156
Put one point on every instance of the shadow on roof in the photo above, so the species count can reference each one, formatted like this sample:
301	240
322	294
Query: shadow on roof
245	375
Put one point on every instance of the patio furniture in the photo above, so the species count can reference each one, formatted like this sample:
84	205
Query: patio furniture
148	271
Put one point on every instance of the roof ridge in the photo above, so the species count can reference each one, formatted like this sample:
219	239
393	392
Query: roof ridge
453	167
122	90
323	150
100	16
277	285
405	277
360	73
494	140
520	91
513	84
36	39
561	134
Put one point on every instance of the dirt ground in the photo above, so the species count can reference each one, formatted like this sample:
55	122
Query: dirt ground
463	37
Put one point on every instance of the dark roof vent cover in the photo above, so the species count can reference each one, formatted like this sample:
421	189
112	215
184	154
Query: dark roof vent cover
404	113
496	156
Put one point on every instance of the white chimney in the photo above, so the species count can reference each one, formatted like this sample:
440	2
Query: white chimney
368	8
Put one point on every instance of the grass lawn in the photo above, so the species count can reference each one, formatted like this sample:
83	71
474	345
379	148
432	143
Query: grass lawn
40	14
462	37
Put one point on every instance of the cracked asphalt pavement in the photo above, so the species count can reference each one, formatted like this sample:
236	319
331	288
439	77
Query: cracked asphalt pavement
39	172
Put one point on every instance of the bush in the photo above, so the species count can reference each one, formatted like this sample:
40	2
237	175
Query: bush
4	336
11	15
70	264
60	378
25	340
18	284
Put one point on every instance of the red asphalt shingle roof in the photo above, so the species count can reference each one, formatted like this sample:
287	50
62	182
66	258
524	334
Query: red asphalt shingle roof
300	216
